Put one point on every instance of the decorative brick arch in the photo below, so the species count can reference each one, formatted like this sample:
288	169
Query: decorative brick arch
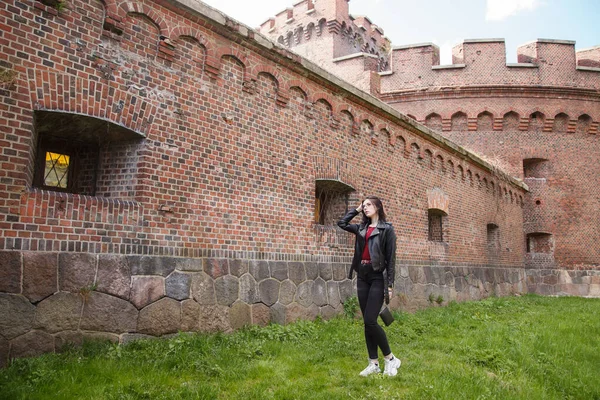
112	10
214	55
139	8
287	85
313	97
186	31
51	91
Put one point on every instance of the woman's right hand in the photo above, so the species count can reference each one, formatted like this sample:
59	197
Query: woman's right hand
359	208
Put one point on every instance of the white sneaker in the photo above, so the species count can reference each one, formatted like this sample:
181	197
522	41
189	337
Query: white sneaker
391	366
372	368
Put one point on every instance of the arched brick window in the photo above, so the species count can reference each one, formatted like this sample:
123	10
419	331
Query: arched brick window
583	123
485	121
434	121
436	224
561	122
493	241
536	121
510	122
459	122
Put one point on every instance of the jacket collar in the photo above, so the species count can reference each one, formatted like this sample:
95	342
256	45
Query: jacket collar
376	231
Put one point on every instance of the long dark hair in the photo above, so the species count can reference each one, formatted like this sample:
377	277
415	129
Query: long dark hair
377	203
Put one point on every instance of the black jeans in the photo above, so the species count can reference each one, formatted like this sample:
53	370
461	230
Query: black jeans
369	287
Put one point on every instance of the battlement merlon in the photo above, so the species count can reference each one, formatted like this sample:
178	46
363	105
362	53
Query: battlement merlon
334	13
303	10
483	62
589	57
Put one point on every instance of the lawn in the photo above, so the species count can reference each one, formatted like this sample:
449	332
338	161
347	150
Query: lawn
528	347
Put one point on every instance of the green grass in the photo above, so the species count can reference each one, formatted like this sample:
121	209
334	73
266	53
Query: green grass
527	347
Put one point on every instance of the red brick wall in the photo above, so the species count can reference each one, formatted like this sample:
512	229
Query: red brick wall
227	161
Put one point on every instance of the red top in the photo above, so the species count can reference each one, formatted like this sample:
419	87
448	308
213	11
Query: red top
365	254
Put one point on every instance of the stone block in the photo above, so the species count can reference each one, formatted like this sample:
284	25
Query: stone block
572	289
594	290
40	274
417	275
32	344
65	340
105	313
240	315
248	289
76	271
328	312
297	273
304	293
312	271
319	292
114	275
448	278
333	294
550	279
216	267
178	285
16	315
152	265
189	264
238	267
339	272
146	290
259	270
261	314
214	319
278	313
269	291
59	312
325	271
402	271
227	290
10	272
346	289
190	316
297	312
203	289
160	318
279	270
287	292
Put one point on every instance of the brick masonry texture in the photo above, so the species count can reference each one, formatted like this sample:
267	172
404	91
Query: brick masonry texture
211	143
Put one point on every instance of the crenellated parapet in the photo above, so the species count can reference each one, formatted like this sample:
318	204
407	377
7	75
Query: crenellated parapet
482	62
308	22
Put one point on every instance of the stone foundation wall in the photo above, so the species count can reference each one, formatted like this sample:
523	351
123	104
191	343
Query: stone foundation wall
51	299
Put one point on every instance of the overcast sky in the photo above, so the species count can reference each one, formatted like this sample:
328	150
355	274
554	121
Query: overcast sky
448	22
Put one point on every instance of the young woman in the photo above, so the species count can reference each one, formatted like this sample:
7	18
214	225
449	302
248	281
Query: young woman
374	255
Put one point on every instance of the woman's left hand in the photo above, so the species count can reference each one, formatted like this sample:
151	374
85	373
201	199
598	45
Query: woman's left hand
391	292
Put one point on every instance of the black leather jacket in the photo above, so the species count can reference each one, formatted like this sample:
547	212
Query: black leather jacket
382	245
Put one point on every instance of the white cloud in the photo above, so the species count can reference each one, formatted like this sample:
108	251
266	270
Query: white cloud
498	10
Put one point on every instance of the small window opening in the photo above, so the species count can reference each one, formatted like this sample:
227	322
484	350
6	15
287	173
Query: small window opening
535	168
82	155
436	225
493	240
539	242
56	171
331	201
